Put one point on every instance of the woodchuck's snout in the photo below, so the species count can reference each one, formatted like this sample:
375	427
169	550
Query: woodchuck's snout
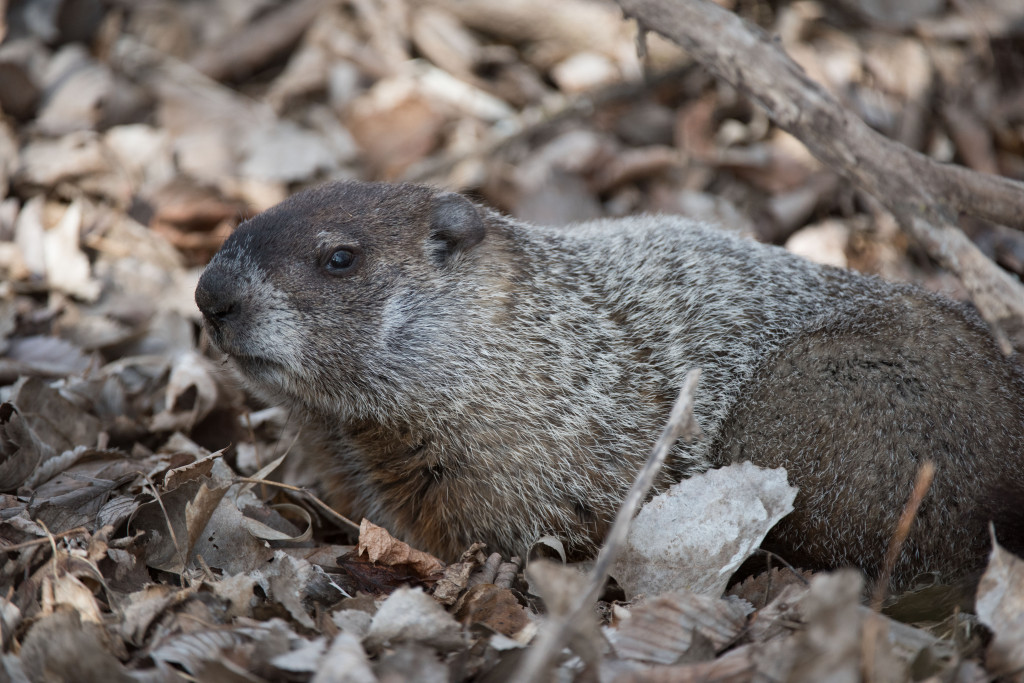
218	299
465	377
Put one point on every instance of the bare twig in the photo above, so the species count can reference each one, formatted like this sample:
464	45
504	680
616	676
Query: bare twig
923	194
170	525
298	489
52	540
922	482
551	640
43	541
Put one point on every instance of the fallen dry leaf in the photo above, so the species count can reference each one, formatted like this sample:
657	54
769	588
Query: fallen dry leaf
560	587
190	395
761	589
290	581
1000	605
122	169
456	575
140	609
840	638
345	662
67	267
668	550
176	517
382	548
662	630
410	615
59	647
496	608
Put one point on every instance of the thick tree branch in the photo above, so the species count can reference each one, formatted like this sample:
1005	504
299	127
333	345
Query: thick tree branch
923	194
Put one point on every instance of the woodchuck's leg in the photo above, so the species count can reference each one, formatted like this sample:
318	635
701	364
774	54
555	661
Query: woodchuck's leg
854	407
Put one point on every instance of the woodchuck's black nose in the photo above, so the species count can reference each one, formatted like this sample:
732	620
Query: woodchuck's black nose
217	296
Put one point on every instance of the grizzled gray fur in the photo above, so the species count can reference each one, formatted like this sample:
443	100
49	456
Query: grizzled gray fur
462	376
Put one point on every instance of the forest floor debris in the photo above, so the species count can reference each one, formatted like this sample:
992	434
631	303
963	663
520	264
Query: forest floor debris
158	525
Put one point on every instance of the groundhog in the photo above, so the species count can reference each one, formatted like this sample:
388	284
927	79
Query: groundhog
461	376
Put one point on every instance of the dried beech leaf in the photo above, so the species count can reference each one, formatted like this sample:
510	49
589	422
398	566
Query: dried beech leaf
187	473
70	592
410	615
77	484
21	449
547	547
444	40
835	642
735	666
662	630
60	647
412	662
54	419
761	589
117	510
46	356
354	622
324	555
143	151
781	615
455	579
694	536
345	662
190	395
560	586
1000	605
140	609
824	242
265	471
395	125
287	153
187	508
48	162
268	533
227	545
191	651
288	579
496	608
237	591
78	87
303	660
67	267
361	575
383	548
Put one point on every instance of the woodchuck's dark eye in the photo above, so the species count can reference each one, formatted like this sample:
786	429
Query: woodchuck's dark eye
341	261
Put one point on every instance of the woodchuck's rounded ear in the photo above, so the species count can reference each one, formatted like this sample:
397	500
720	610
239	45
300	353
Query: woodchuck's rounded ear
456	225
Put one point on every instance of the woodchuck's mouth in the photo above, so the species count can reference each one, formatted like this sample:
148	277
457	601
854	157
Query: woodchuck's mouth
254	364
251	364
235	349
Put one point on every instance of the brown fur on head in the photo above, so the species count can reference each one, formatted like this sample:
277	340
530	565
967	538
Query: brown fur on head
315	298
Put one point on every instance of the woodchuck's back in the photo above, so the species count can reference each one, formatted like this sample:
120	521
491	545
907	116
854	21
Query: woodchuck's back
849	382
856	403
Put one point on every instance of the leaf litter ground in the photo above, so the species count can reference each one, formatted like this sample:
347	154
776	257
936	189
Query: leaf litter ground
158	525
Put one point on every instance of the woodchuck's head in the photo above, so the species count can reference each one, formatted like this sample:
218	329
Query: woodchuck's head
338	293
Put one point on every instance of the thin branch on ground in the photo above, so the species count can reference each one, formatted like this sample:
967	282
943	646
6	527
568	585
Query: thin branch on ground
922	482
182	557
42	541
305	492
538	659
